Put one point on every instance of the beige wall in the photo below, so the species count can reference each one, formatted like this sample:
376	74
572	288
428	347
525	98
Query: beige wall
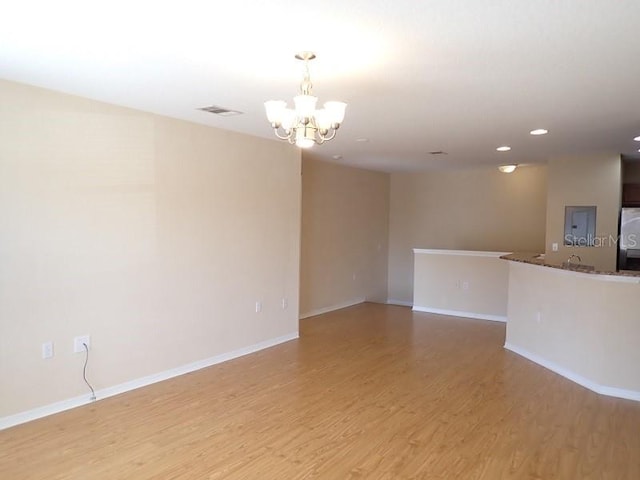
583	326
345	215
585	181
155	236
475	209
461	283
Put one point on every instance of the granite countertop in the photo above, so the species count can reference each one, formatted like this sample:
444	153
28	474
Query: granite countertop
538	259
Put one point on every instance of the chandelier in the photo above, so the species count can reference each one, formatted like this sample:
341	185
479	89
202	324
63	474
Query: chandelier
304	125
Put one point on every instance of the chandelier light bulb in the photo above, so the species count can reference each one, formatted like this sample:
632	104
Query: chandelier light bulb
304	125
304	137
288	119
275	111
305	105
336	111
323	119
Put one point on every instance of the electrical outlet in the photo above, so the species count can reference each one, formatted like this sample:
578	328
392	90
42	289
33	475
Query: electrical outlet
285	303
554	247
47	350
258	307
79	342
465	285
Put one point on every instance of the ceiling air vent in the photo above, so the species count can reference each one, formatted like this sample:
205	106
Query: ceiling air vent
223	112
438	152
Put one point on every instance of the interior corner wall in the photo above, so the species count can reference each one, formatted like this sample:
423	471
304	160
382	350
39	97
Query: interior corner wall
473	209
345	233
585	180
154	236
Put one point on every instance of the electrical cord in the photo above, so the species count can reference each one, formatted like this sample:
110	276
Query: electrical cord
84	371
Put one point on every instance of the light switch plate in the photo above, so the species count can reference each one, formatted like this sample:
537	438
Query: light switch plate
47	350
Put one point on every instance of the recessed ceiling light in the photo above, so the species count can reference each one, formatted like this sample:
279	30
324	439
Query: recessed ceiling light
507	168
362	140
637	139
539	131
504	148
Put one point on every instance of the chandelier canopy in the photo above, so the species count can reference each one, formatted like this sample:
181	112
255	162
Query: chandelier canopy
304	125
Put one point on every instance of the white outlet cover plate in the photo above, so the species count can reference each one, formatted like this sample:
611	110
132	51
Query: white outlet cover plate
47	350
78	346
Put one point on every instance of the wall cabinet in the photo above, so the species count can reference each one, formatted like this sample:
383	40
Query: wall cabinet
631	195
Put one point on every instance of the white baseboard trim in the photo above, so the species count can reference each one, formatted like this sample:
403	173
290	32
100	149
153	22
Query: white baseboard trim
574	377
402	303
44	411
320	311
29	415
456	313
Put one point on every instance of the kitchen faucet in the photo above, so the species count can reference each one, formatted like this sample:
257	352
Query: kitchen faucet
574	256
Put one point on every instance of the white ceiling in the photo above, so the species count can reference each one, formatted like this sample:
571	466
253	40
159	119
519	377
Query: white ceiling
461	76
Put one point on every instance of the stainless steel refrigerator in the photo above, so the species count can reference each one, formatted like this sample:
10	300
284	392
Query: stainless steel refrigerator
629	244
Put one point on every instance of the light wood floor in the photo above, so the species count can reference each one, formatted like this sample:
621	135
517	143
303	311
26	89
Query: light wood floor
369	392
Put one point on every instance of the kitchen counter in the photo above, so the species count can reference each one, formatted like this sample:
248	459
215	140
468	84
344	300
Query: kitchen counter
538	259
582	324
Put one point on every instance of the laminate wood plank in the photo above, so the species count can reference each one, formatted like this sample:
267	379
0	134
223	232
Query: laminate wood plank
368	392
